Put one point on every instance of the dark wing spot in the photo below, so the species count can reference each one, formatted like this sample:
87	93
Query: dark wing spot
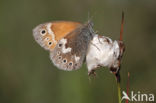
70	64
43	32
59	57
58	53
47	38
60	45
50	43
64	60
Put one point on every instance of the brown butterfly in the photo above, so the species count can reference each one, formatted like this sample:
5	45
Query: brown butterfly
66	41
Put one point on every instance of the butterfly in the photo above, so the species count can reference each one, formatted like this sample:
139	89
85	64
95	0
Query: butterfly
66	41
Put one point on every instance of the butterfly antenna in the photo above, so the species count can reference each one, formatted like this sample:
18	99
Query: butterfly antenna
88	15
121	30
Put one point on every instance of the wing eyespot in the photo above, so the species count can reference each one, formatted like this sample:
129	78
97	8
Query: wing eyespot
64	61
60	45
49	43
59	57
58	53
70	64
43	32
47	38
75	64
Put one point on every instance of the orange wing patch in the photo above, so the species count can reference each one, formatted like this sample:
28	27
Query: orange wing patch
62	28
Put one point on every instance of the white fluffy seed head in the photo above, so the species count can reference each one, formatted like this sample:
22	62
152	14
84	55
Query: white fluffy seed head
102	51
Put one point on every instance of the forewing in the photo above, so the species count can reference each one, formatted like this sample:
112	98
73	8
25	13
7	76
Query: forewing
48	34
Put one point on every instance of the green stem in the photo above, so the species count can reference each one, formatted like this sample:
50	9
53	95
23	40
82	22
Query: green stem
119	92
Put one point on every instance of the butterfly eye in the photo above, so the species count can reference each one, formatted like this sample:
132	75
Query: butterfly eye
43	32
50	43
64	60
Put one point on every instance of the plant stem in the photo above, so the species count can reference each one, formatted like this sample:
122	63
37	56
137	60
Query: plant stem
119	92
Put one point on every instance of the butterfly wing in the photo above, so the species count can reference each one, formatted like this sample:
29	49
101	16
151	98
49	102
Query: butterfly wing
48	34
70	51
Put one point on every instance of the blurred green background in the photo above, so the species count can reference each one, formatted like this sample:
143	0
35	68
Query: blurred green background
27	74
